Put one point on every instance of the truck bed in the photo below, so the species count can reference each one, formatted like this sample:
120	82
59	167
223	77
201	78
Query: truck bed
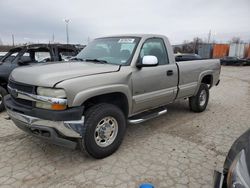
191	73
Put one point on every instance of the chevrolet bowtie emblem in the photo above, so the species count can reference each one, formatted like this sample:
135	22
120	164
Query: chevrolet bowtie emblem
13	92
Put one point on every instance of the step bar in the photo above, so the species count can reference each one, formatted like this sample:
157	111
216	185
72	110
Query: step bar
145	116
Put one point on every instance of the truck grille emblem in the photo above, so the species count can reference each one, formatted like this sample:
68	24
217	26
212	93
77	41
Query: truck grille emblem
14	93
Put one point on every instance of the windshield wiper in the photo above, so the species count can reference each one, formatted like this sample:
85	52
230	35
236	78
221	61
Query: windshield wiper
97	61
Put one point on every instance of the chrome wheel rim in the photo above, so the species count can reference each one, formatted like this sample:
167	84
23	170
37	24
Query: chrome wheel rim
203	98
106	131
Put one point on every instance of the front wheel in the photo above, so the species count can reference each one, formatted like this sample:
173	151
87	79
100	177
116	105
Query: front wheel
198	103
3	92
104	129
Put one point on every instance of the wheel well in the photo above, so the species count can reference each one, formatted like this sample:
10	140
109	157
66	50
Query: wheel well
118	99
3	83
208	79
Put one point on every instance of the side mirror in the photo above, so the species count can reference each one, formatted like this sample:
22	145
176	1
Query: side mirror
148	61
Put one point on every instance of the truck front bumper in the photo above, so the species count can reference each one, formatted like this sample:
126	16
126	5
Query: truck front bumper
55	131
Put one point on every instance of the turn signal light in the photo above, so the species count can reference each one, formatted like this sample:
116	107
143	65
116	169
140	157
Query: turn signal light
58	107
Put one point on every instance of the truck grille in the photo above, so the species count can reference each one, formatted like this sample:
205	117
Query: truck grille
24	88
23	102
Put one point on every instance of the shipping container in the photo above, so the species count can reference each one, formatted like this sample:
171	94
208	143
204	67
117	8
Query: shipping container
237	50
205	50
220	50
248	51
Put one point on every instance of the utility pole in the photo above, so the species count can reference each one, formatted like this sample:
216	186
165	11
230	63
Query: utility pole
13	39
209	36
53	38
67	29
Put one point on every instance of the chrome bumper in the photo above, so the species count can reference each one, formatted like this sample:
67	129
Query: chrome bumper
71	129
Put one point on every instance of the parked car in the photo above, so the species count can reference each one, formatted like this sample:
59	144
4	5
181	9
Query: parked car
30	55
231	61
246	61
187	57
117	79
236	172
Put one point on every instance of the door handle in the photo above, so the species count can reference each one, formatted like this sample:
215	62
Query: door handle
170	72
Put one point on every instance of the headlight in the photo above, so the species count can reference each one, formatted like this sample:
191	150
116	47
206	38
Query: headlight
49	92
54	93
238	175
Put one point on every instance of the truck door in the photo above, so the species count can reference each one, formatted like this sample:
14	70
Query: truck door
154	86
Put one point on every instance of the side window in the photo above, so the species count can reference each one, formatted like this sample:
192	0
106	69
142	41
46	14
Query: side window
66	54
42	57
26	54
155	47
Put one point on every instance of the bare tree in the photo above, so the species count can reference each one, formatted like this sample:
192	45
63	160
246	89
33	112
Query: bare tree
191	47
235	40
177	49
187	48
196	42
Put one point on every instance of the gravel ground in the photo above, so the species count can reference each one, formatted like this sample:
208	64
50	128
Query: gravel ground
179	149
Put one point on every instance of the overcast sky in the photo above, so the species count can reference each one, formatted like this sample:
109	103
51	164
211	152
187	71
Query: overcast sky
38	20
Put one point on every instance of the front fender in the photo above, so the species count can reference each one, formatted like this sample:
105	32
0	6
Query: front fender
84	95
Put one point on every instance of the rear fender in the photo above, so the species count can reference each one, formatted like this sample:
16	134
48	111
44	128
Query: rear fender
202	75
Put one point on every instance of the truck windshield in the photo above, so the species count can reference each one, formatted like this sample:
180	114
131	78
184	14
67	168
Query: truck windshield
112	50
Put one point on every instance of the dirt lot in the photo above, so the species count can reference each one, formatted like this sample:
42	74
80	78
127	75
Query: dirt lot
179	149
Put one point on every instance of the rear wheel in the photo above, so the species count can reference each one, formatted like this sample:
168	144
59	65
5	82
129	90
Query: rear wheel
3	92
104	129
198	103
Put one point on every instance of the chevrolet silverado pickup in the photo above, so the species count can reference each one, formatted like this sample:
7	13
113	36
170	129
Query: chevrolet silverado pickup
114	81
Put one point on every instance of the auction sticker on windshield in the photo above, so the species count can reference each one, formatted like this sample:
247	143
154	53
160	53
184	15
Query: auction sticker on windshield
126	40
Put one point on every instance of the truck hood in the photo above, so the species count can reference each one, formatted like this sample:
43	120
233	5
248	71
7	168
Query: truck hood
48	75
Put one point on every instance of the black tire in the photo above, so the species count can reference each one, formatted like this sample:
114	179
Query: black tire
195	104
243	142
92	117
3	92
